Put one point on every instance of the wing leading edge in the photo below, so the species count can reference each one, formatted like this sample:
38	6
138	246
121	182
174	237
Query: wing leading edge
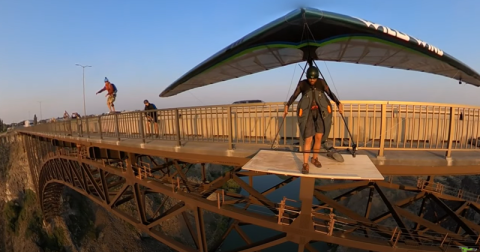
320	35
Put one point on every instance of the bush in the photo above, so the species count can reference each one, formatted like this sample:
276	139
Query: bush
52	242
29	200
231	186
11	211
34	224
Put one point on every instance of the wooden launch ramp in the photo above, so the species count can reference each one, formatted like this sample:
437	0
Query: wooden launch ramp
290	164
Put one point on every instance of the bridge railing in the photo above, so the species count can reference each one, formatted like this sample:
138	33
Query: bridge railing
375	125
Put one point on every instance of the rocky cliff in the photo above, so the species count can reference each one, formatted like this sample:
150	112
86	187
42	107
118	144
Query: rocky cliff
16	194
83	225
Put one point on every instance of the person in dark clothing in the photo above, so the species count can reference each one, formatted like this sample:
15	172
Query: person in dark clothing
75	115
311	111
151	116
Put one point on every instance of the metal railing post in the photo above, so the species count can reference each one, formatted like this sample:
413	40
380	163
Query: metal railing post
141	130
177	127
450	132
88	128
284	131
117	127
383	130
230	128
100	127
80	133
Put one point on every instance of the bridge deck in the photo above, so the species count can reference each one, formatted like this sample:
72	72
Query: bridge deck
394	162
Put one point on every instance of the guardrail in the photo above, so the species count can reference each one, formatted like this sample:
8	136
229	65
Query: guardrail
375	125
325	221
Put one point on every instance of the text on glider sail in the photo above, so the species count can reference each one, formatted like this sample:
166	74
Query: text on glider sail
401	35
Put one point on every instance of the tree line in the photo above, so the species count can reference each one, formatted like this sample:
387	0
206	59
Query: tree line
3	127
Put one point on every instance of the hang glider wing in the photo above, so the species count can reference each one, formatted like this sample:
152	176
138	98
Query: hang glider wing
320	35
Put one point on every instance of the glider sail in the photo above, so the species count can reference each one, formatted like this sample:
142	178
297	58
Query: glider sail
306	34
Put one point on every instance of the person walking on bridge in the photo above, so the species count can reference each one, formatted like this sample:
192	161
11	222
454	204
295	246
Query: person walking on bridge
78	120
66	116
67	124
152	116
312	110
111	93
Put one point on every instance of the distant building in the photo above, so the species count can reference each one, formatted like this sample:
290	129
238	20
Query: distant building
28	123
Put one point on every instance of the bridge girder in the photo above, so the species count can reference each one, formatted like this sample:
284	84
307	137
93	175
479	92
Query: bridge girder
113	181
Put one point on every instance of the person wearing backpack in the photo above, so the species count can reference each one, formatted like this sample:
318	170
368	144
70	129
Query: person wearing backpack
151	116
111	93
314	115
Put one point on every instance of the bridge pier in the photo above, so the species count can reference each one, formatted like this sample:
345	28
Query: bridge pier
304	220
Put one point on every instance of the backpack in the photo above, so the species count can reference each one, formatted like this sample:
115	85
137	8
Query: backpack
114	87
153	105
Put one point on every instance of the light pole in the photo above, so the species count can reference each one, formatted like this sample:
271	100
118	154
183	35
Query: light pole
40	110
84	107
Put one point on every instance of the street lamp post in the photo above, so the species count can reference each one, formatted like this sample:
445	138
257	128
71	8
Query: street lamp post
84	106
40	110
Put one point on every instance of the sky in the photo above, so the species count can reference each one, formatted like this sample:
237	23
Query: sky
143	46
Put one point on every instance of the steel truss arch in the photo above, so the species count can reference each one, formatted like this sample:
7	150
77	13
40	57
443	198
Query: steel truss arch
60	172
93	178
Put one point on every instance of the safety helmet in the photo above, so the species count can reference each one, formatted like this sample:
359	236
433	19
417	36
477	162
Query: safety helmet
312	72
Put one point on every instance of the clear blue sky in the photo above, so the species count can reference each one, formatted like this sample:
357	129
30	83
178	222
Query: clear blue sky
143	46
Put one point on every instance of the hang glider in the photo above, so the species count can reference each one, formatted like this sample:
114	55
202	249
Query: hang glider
311	34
